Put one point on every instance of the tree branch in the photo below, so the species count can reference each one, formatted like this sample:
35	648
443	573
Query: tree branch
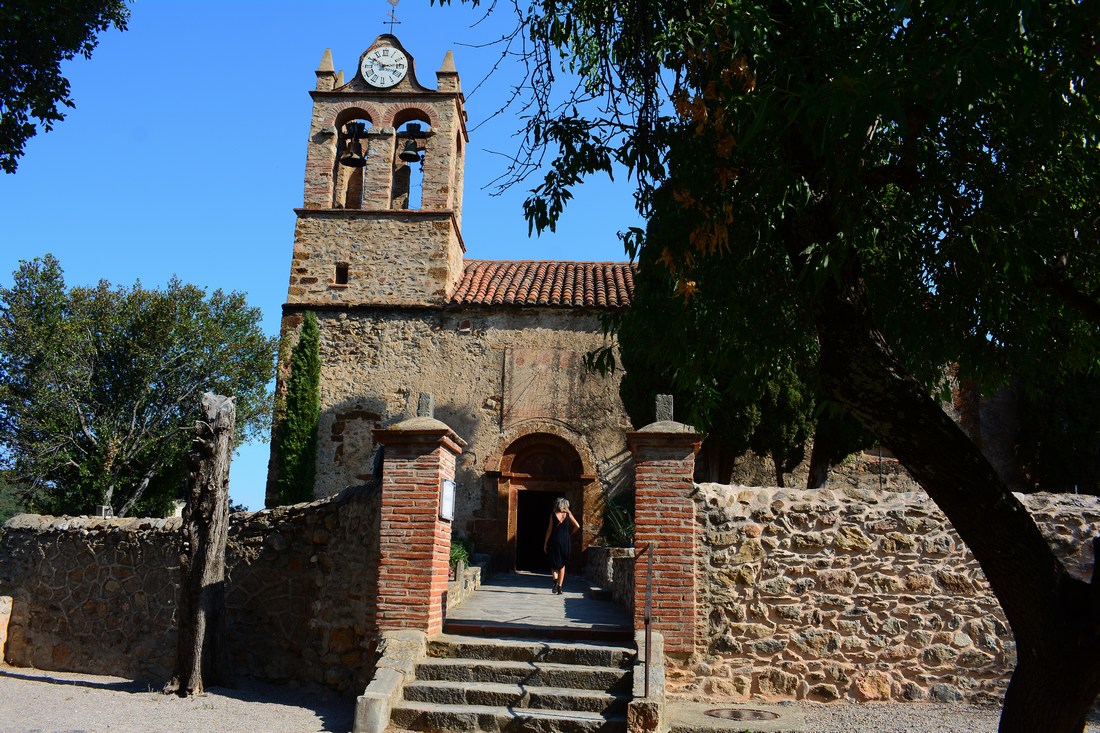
1066	290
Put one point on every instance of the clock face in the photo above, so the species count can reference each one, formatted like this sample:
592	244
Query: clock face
384	67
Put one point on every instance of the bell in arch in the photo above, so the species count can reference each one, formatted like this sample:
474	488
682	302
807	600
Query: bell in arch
353	150
410	153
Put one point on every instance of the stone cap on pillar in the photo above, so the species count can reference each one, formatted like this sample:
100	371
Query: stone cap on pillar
420	430
667	426
664	429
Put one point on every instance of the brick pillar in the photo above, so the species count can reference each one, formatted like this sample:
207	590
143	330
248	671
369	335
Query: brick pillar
664	512
414	542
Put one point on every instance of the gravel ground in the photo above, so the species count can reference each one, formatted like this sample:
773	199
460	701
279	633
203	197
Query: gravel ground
33	701
905	718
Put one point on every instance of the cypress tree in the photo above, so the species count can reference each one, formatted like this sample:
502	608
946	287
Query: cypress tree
298	444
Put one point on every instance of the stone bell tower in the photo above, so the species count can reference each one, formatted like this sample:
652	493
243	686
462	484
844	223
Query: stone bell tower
381	220
381	223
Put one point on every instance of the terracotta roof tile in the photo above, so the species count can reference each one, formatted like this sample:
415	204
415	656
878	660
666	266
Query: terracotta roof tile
569	284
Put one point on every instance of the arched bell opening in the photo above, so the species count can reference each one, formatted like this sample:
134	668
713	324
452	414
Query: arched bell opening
351	161
410	151
535	470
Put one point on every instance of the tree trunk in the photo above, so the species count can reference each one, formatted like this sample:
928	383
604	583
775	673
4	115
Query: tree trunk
1055	623
202	657
821	457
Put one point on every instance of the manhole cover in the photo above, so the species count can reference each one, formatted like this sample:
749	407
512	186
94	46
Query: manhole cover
741	714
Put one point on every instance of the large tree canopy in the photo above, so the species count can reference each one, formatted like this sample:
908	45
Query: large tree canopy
35	37
99	387
890	187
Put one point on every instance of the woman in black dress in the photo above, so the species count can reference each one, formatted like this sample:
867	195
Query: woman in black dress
558	541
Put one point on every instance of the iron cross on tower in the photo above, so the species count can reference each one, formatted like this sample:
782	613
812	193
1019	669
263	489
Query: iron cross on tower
393	15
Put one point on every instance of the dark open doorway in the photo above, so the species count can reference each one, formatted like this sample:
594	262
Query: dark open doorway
533	510
534	471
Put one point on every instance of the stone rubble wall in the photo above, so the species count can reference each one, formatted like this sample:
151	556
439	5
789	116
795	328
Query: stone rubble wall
99	595
612	569
622	582
376	365
851	594
468	578
868	471
599	564
91	595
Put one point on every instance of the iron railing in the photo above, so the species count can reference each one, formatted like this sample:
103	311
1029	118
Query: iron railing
648	615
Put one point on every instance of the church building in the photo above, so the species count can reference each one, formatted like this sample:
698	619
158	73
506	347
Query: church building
405	318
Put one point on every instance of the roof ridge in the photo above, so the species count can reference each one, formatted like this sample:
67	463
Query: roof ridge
475	261
566	283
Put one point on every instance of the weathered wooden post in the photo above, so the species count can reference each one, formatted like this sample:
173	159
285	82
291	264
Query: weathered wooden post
202	656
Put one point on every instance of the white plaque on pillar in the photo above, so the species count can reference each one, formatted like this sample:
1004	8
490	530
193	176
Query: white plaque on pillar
447	501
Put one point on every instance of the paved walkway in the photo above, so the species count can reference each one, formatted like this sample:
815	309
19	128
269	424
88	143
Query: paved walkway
521	604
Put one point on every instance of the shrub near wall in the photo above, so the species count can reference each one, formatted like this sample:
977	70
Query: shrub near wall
854	594
99	596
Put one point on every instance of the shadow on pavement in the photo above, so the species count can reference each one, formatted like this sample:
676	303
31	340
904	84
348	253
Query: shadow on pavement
44	677
336	713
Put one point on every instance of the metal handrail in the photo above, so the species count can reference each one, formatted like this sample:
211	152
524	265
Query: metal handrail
648	615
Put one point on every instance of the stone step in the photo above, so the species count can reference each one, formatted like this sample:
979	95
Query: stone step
539	674
593	632
531	650
433	717
516	696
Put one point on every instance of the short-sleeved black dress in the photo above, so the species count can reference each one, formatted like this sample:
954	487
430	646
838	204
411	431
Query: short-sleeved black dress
560	542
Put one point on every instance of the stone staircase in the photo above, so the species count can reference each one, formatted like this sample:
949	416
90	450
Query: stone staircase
469	683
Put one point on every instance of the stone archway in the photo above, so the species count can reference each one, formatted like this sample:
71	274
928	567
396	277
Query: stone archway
535	469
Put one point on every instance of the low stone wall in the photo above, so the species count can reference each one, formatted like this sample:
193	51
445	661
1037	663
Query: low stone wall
91	595
853	594
599	564
99	595
612	568
468	578
302	591
622	582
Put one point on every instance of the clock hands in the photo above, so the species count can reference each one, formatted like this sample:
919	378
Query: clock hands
384	69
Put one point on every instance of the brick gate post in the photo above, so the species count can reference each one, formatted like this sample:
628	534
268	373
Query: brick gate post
414	541
664	513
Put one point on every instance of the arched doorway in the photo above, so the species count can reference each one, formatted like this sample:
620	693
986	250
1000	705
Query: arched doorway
534	471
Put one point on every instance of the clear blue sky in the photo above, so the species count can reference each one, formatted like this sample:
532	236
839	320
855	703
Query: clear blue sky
185	153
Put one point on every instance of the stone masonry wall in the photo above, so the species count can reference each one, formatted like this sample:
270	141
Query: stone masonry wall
853	594
422	269
99	596
377	361
91	595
